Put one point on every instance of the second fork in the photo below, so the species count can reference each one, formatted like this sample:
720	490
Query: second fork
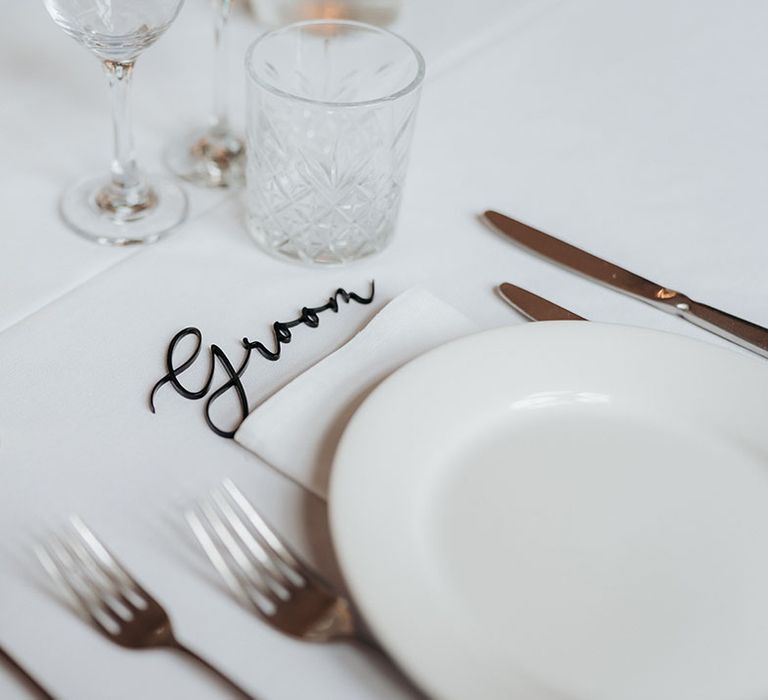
263	573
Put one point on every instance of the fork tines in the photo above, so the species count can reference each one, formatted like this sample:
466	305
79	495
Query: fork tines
253	561
90	576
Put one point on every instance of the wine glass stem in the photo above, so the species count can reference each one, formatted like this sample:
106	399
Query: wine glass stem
126	177
219	118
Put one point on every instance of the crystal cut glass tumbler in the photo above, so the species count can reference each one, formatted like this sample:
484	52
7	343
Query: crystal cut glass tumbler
331	110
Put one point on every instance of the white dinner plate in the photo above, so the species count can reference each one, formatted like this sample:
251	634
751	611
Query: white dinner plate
564	510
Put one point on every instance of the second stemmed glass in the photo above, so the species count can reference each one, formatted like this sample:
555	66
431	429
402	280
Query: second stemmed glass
126	207
215	157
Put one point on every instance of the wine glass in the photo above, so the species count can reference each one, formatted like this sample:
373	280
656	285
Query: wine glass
124	207
213	157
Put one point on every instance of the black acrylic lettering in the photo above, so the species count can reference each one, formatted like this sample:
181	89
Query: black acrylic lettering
282	335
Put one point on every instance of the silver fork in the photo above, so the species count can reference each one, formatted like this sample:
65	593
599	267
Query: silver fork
111	598
263	573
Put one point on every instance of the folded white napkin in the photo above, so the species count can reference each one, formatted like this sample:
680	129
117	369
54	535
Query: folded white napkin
297	429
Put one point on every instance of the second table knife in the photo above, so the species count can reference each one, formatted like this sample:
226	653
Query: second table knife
534	307
744	333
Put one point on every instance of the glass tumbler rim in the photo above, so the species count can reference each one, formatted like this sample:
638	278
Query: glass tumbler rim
397	94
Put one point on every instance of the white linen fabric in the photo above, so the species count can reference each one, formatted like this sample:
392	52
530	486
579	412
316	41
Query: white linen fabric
632	130
297	429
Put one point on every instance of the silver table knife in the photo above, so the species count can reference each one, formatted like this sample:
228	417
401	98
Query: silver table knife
745	333
534	307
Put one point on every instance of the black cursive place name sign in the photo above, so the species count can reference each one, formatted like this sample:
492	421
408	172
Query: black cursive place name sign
282	335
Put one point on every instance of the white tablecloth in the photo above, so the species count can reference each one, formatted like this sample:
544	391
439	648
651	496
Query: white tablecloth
635	130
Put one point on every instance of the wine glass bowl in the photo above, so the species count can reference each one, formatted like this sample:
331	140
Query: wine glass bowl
114	31
124	207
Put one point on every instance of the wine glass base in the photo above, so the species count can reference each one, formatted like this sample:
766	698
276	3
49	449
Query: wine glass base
86	209
209	160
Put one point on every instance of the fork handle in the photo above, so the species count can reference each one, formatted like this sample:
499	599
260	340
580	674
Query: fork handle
234	687
24	676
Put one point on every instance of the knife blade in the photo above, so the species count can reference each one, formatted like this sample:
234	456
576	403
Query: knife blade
744	333
534	307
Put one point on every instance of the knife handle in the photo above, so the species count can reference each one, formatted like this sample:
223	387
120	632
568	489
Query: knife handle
745	333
